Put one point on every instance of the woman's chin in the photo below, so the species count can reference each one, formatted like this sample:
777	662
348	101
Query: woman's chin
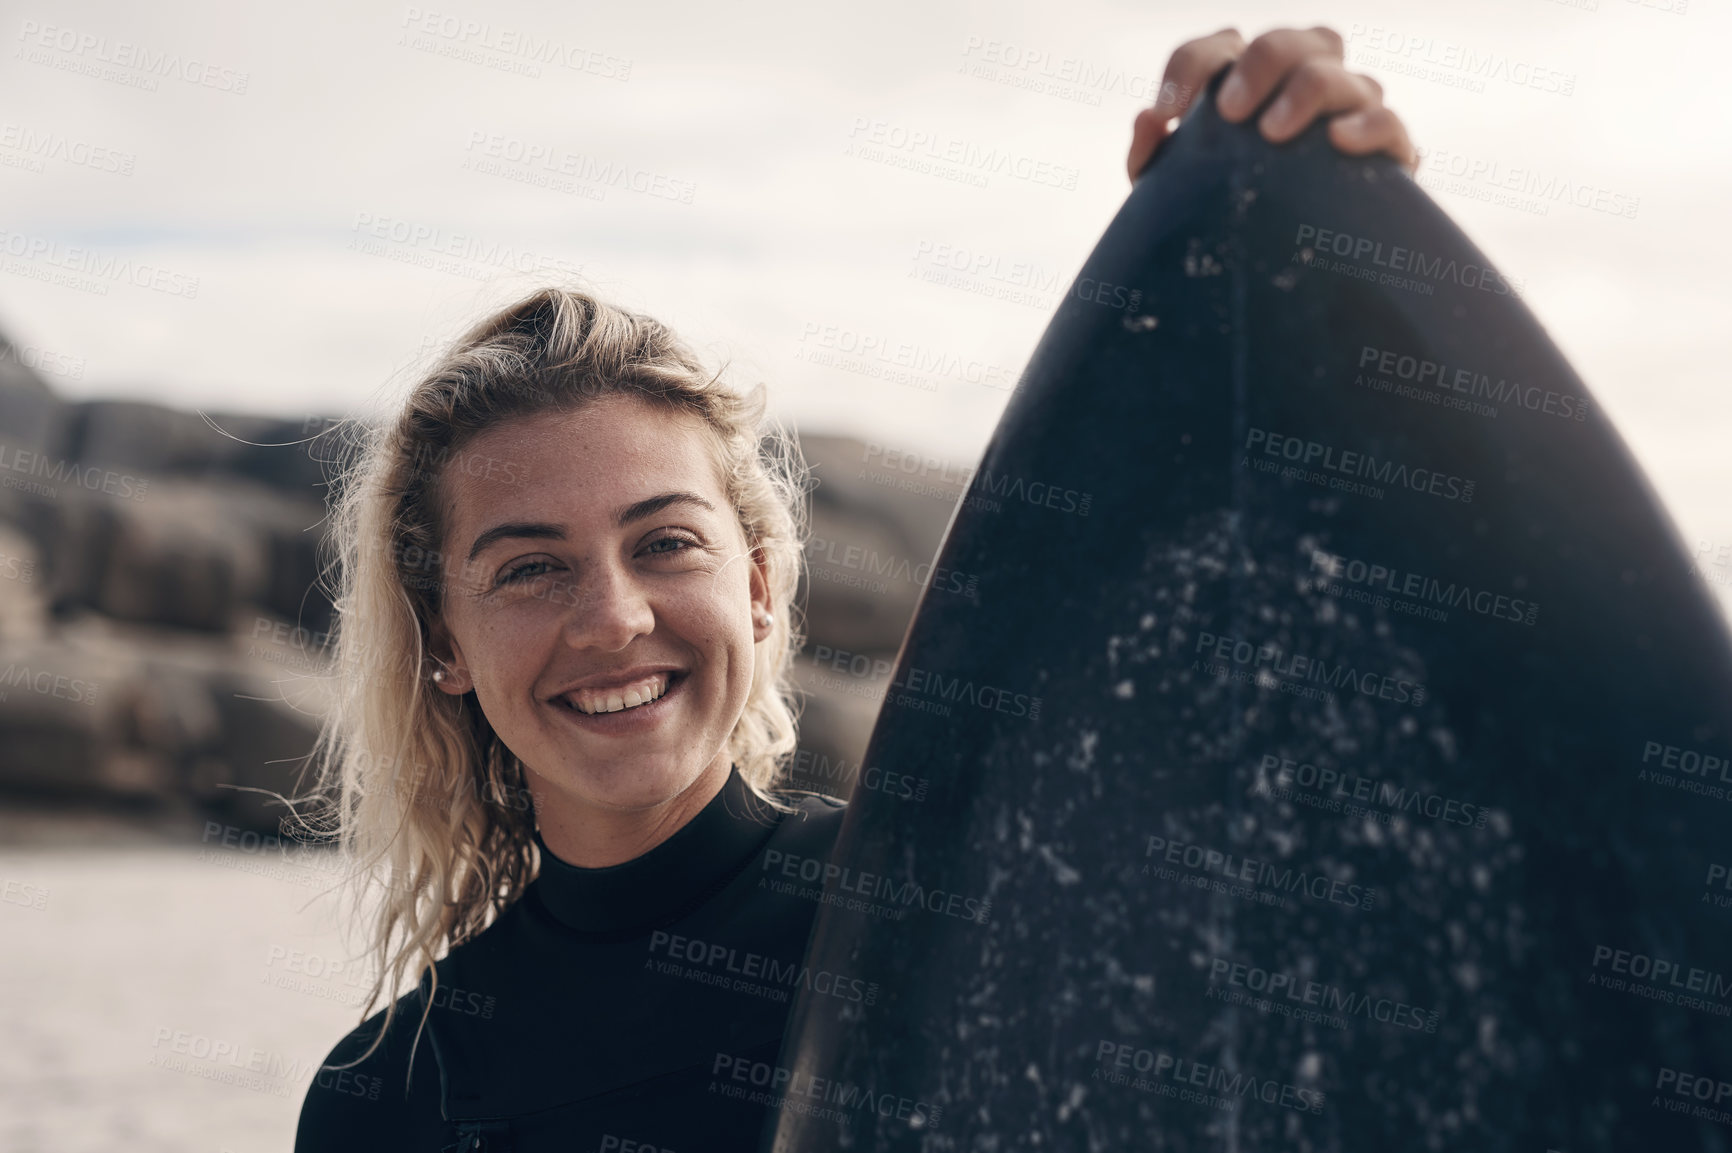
631	783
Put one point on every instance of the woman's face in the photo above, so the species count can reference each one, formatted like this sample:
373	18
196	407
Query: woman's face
595	560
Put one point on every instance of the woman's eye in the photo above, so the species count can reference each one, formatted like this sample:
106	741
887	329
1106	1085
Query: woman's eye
681	543
524	571
663	546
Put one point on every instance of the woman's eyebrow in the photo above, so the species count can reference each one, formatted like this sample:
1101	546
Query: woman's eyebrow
541	530
528	530
649	506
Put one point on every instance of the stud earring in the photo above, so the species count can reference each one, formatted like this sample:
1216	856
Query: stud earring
439	676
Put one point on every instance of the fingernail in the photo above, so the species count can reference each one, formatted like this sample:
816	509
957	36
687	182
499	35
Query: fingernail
1233	92
1279	113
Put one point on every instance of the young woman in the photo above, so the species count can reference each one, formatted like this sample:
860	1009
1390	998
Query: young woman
565	624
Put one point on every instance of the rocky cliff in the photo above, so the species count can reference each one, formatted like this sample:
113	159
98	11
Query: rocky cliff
162	618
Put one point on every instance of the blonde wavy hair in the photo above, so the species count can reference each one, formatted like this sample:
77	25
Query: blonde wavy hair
429	806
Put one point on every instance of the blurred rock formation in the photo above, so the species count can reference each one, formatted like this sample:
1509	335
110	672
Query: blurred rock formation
161	616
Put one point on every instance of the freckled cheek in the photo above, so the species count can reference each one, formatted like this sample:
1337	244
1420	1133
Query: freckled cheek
507	643
726	642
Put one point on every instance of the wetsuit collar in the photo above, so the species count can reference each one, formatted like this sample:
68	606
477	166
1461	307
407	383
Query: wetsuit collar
669	881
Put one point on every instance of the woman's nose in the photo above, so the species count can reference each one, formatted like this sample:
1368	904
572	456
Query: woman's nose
610	608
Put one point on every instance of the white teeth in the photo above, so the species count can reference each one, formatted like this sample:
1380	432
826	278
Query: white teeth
613	700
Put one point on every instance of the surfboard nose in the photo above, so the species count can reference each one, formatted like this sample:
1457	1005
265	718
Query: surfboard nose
1336	754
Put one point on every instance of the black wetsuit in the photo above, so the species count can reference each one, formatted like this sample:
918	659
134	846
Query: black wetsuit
607	1010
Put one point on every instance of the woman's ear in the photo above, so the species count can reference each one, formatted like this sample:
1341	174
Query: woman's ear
448	671
763	622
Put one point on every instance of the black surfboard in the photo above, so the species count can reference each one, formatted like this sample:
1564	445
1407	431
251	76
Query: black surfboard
1336	755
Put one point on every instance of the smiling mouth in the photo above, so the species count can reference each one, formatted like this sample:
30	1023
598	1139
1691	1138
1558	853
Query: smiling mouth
620	698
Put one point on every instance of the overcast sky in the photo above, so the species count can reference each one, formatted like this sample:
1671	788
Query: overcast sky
326	187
